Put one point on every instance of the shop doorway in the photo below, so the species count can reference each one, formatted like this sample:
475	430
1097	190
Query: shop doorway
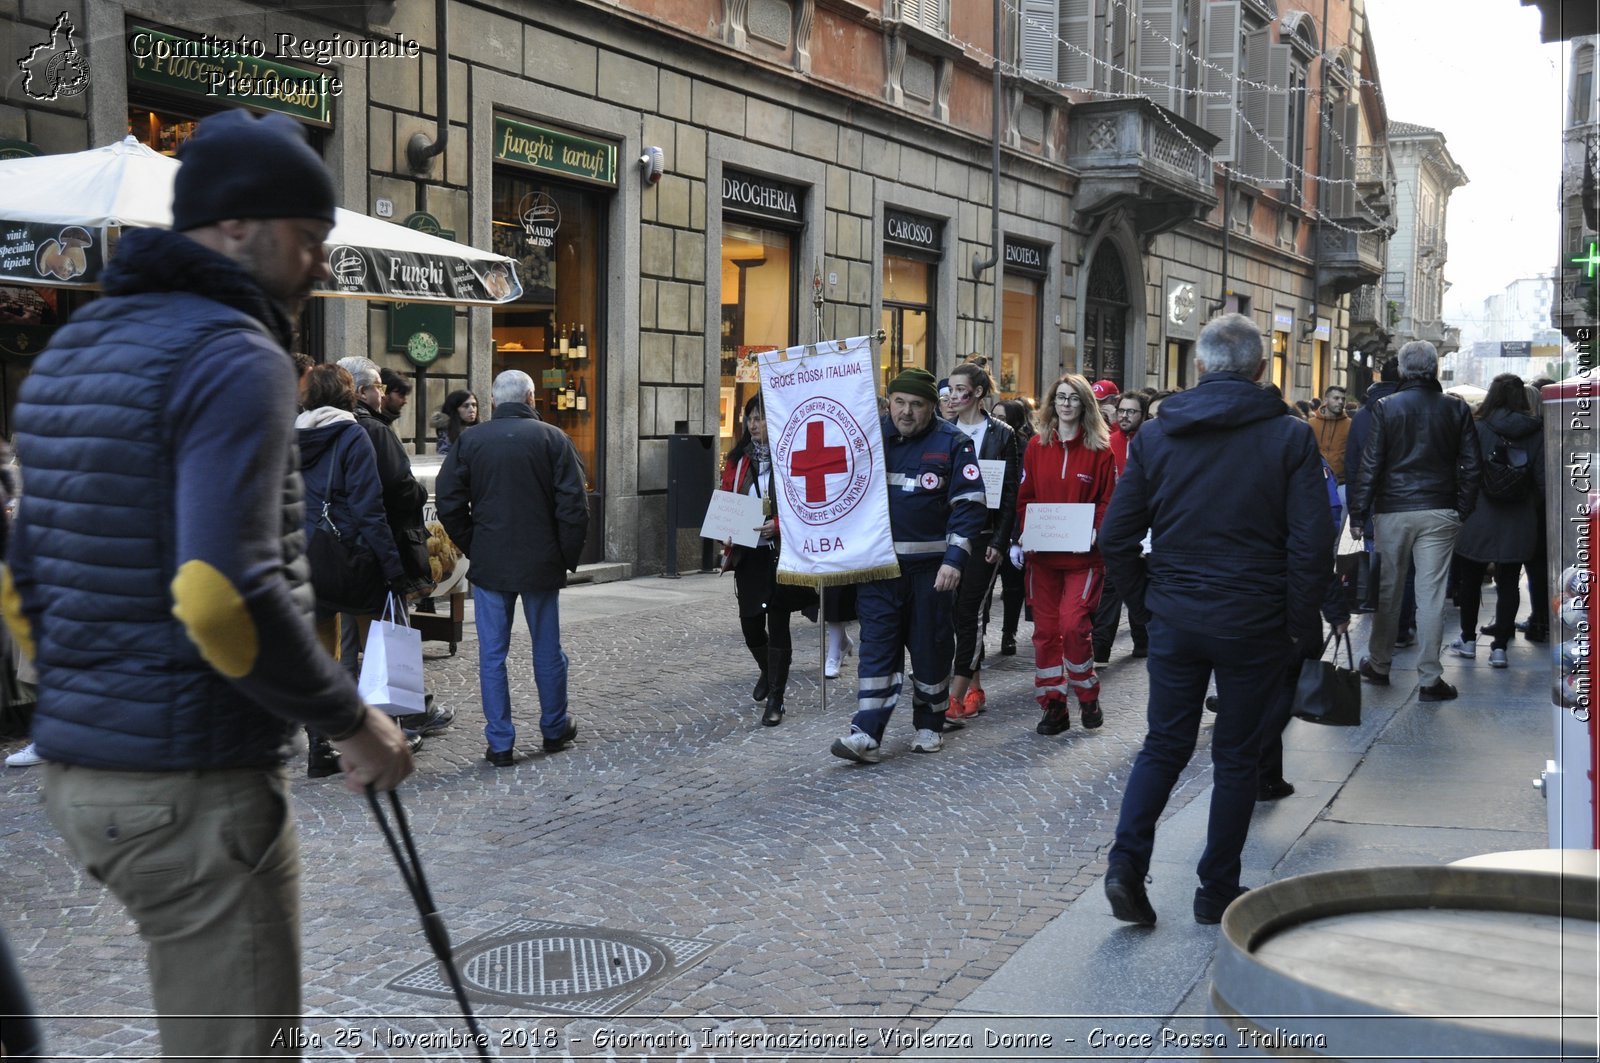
908	323
1105	317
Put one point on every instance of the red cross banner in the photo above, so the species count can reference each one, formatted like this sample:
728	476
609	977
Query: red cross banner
821	403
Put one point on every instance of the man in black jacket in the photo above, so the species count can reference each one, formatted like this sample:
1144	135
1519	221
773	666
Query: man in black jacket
1418	479
511	496
1231	490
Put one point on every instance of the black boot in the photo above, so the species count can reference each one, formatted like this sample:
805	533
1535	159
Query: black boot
760	654
778	671
321	760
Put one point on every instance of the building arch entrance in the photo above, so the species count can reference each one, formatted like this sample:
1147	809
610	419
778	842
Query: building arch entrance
1105	317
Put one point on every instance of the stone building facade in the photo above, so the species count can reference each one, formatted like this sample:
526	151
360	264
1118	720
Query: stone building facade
686	182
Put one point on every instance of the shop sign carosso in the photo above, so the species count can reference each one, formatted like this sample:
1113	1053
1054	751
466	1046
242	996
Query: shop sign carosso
198	68
912	230
552	152
760	196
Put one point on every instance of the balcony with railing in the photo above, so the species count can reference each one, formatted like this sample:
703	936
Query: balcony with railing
1351	253
1375	181
1129	153
1369	321
1430	241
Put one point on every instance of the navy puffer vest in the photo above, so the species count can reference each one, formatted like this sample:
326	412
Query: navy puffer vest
122	687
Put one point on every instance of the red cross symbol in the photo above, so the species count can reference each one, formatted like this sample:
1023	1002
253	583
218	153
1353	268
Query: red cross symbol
815	461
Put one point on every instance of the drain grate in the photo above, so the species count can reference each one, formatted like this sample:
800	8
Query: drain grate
560	967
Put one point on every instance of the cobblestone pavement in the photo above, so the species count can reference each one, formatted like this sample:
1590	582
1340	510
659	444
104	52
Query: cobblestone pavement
830	893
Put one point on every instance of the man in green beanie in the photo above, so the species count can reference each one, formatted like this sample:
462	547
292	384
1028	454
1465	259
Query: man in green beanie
936	507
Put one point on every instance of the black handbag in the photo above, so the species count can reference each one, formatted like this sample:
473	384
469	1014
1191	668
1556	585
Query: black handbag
345	573
1327	693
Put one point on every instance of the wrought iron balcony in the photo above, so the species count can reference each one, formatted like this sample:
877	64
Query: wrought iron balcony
1369	321
1450	341
1352	253
1132	154
1430	241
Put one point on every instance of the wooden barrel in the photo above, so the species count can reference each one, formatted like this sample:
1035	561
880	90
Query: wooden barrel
1410	963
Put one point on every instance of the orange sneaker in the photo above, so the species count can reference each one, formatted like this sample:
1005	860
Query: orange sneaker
957	710
976	701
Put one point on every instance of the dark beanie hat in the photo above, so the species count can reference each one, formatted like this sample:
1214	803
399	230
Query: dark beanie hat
239	166
915	382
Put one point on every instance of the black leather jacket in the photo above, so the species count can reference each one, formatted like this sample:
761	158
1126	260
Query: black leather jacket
1422	453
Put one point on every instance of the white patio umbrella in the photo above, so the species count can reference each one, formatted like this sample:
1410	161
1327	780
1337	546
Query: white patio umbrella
1470	392
54	208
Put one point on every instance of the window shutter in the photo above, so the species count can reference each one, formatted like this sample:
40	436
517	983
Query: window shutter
1157	62
1348	115
1221	52
1279	166
1077	30
1251	150
1037	33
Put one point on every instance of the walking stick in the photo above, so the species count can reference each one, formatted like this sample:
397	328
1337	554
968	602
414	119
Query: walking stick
432	923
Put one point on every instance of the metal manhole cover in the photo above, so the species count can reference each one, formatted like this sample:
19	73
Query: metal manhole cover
560	967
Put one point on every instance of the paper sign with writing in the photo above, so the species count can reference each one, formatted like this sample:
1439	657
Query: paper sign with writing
733	517
994	478
1059	527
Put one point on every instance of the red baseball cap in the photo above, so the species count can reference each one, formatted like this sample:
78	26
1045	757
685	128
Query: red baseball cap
1104	389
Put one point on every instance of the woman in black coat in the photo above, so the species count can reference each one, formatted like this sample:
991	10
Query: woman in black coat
1501	532
970	387
1016	414
765	605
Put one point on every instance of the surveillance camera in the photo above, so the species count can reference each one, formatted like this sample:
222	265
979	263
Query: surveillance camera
651	165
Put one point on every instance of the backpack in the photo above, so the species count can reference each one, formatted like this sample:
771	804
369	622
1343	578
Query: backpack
1507	473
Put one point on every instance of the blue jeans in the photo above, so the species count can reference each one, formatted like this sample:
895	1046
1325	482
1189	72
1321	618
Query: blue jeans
493	612
1249	675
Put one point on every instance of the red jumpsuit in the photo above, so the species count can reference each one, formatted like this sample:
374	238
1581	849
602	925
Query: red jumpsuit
1064	588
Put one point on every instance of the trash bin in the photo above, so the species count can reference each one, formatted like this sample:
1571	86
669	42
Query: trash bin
1410	963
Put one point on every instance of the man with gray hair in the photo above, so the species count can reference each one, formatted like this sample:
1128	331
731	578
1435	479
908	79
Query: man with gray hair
511	496
1418	480
1230	488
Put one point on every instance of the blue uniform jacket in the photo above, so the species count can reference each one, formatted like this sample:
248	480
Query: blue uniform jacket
936	502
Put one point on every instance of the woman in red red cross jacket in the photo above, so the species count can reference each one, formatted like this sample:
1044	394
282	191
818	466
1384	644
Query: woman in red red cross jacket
1070	460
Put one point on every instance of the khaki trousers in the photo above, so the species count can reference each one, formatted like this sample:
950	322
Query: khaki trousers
208	865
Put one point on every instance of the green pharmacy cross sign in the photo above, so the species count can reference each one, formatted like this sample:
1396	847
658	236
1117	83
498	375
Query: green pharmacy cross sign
1590	261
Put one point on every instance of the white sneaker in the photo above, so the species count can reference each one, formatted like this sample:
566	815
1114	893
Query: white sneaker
830	668
857	746
927	742
1463	648
26	757
1497	658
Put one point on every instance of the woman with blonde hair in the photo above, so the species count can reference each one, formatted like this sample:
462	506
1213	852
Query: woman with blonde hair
1069	461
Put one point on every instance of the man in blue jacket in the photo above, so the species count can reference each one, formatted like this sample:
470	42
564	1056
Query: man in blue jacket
1223	594
936	509
157	575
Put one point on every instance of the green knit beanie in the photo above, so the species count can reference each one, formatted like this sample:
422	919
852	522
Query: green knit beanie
917	382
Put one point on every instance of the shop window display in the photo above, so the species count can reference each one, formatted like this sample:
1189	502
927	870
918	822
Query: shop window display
557	233
758	313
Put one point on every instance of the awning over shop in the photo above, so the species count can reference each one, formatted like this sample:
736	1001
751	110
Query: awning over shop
59	216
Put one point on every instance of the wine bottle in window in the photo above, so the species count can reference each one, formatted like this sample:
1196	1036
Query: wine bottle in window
583	342
570	395
583	397
562	343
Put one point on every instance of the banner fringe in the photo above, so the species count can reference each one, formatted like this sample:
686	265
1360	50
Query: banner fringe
839	579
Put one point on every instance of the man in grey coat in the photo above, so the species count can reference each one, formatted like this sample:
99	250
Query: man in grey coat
511	496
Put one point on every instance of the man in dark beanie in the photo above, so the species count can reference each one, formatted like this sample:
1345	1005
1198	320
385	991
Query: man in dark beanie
173	632
936	508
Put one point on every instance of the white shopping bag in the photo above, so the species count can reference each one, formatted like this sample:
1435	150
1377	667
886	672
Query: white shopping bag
391	672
